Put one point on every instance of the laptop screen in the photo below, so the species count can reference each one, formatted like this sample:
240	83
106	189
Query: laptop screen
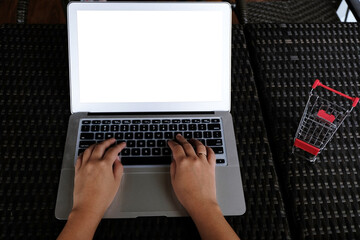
149	58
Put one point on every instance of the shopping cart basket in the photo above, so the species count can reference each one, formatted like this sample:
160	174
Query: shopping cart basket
320	120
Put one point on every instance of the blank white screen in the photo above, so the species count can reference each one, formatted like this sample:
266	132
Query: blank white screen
150	56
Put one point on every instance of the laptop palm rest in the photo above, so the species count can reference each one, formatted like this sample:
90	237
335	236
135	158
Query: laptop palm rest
144	194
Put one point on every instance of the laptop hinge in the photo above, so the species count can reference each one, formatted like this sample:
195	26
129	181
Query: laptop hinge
151	113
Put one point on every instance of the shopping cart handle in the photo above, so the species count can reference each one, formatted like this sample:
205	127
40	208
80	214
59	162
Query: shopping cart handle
317	83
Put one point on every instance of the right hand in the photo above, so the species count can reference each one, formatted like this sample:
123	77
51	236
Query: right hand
193	174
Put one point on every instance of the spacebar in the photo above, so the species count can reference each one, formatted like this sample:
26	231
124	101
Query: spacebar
146	160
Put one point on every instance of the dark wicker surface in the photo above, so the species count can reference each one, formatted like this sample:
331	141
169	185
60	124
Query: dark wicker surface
322	199
292	11
34	111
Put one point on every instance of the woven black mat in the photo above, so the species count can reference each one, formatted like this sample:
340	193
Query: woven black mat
34	112
292	11
322	199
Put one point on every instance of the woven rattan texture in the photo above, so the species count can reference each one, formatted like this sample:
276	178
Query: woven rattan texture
322	199
34	110
265	217
291	11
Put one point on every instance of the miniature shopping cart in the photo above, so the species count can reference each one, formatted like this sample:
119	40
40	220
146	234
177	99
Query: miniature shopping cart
319	123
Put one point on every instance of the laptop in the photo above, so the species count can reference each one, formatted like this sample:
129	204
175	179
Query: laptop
141	73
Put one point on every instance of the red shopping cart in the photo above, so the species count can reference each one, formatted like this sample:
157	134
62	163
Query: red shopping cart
320	120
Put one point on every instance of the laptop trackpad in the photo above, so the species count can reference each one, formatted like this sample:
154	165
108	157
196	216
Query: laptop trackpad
145	194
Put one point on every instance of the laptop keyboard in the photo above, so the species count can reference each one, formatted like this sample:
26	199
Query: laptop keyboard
146	139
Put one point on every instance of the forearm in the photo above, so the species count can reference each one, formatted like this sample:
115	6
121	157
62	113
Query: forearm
211	223
80	225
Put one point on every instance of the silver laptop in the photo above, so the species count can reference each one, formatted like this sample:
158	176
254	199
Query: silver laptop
141	73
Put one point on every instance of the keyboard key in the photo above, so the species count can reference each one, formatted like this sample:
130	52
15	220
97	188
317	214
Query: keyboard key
119	135
159	135
161	143
197	135
218	150
84	136
149	135
214	142
85	128
154	128
124	128
129	135
220	161
114	128
214	127
135	151
173	127
95	128
86	144
156	151
146	151
116	121
192	127
95	121
134	128
166	151
182	127
106	122
140	143
202	127
139	135
86	122
109	135
125	152
163	127
195	120
99	136
130	143
150	143
105	128
207	135
217	134
188	135
144	128
168	135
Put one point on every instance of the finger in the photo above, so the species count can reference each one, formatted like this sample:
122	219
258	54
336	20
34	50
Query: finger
78	162
118	171
201	150
177	150
188	148
112	154
87	153
100	148
211	157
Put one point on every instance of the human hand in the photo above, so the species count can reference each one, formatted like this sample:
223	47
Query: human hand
98	173
193	174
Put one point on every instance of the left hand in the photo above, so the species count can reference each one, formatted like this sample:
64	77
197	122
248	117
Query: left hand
98	172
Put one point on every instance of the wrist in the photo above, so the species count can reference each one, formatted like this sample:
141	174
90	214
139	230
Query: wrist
204	209
85	214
